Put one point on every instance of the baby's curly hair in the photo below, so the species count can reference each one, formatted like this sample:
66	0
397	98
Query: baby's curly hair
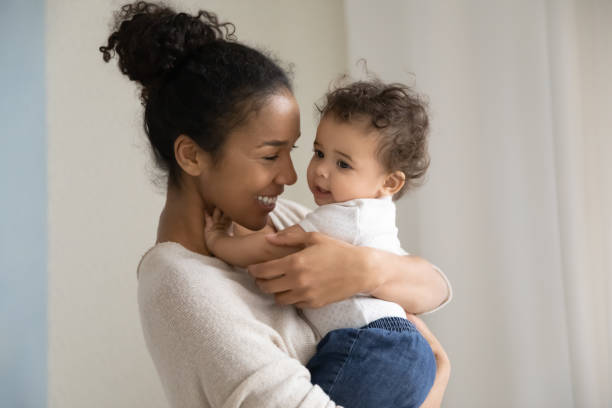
399	115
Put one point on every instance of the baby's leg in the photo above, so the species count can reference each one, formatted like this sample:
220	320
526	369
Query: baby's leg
384	364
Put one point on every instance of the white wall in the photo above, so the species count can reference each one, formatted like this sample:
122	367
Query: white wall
516	209
102	207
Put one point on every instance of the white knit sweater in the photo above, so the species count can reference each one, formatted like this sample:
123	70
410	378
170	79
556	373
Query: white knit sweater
216	340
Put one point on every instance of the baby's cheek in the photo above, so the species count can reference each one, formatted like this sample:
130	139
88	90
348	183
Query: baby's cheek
364	188
347	189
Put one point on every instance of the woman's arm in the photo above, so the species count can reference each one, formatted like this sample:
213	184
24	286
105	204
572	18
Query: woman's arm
409	281
329	270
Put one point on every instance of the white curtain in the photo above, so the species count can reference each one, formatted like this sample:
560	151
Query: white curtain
517	209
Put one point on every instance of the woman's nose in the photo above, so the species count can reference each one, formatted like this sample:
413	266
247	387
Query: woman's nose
287	175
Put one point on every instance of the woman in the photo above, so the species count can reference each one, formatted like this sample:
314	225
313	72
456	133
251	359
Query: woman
222	121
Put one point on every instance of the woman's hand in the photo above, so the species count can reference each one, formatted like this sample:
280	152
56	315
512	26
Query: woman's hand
328	270
443	369
325	271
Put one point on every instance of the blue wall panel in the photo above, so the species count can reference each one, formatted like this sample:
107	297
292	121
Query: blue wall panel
23	205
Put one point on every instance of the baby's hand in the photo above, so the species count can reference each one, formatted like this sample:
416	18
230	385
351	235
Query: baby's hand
217	226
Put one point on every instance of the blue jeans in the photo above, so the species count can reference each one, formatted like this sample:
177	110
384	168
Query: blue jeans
384	364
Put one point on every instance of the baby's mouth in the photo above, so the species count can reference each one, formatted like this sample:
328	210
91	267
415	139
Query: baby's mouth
321	194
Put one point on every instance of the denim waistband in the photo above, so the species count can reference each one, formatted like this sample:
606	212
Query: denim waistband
391	323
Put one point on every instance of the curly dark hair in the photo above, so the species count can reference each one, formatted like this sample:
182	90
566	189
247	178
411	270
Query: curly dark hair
196	78
399	115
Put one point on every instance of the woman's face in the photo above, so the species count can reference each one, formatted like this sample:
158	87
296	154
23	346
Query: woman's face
255	163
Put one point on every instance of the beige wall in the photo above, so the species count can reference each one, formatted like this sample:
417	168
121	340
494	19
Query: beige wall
102	207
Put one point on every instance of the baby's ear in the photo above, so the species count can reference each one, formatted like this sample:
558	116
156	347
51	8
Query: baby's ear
394	182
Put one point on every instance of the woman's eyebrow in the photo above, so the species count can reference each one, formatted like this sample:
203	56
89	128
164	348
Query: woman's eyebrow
274	143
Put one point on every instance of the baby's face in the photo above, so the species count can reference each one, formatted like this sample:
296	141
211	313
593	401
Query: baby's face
344	165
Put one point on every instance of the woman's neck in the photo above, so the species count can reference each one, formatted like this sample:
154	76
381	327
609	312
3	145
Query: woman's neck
182	220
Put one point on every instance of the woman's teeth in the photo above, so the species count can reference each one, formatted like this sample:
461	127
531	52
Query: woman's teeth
267	200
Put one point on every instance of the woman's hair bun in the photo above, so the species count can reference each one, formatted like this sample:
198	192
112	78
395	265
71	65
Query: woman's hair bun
152	39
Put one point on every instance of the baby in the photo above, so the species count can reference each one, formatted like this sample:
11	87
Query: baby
370	148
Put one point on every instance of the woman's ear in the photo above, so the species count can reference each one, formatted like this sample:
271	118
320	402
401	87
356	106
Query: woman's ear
394	182
192	159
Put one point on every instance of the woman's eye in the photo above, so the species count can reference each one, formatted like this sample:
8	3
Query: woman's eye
271	158
319	154
343	165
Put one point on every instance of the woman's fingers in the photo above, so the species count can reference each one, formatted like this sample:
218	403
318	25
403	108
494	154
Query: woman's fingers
307	281
436	347
267	270
290	290
290	297
436	394
272	286
442	359
423	329
283	291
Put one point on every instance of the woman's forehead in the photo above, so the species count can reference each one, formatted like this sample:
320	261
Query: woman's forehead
256	136
276	123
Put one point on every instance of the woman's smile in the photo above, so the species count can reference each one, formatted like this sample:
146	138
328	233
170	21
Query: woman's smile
267	202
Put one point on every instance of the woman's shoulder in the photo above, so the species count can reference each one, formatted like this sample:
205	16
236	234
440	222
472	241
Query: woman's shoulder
176	282
170	269
287	213
172	256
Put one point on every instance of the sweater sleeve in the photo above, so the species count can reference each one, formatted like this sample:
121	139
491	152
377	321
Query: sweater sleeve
210	350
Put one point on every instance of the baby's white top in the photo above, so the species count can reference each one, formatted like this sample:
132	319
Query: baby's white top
363	222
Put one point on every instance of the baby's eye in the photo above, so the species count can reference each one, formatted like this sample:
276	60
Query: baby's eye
319	153
343	165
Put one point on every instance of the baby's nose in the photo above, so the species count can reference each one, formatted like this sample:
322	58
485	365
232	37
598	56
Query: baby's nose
321	171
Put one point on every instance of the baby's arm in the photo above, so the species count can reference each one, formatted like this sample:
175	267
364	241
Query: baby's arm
242	250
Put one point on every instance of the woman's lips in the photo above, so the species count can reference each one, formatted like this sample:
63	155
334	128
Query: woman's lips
267	202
